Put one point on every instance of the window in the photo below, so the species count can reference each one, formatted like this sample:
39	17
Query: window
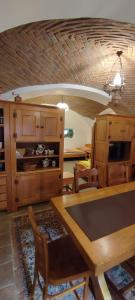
68	132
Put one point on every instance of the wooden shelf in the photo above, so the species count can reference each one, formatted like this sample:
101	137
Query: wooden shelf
2	150
119	161
2	161
1	125
38	170
38	156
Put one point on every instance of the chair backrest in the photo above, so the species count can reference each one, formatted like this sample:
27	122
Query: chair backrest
85	178
41	246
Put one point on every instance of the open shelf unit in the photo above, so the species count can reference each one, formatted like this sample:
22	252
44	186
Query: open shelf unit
37	156
2	141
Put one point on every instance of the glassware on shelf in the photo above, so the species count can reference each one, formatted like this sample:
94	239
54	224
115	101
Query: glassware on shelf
53	163
1	120
45	163
2	167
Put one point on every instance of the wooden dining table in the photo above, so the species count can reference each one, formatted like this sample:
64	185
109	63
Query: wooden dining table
102	225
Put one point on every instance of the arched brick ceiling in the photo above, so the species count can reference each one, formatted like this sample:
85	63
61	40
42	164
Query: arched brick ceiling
78	51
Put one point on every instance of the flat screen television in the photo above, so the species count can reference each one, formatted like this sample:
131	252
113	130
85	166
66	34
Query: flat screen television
119	151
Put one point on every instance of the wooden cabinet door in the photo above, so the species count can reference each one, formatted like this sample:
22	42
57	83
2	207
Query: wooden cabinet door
50	126
133	152
27	189
133	142
3	192
120	129
27	125
101	130
51	184
117	173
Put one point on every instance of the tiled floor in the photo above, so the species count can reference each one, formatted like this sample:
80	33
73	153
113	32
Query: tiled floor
7	281
10	288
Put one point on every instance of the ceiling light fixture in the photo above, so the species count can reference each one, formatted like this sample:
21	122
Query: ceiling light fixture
115	84
63	105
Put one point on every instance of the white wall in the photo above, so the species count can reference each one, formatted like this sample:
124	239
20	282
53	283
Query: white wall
108	111
82	130
16	12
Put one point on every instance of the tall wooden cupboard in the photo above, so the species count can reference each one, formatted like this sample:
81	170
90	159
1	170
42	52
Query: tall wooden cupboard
5	162
27	174
114	147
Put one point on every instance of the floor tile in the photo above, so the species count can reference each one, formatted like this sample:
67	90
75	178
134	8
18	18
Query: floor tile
8	293
4	226
6	274
5	239
5	254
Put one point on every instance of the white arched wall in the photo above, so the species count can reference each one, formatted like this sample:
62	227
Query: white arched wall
79	90
82	130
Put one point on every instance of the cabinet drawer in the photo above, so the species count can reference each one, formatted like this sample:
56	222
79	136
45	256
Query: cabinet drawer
3	181
3	189
3	197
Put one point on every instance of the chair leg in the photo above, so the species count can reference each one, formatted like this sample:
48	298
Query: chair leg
34	282
45	292
85	289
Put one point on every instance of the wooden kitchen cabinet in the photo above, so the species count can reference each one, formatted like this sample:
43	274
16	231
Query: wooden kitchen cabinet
37	187
32	180
114	148
5	163
40	124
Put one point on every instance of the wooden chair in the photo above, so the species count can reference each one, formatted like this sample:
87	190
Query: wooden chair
88	176
58	262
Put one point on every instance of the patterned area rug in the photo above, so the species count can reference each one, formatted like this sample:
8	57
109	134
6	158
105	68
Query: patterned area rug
118	277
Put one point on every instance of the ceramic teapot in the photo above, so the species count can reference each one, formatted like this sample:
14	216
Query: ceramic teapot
40	149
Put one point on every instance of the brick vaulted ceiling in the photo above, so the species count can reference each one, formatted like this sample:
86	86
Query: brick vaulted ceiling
80	51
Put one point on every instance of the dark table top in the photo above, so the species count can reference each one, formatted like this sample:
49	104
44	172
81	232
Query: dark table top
105	216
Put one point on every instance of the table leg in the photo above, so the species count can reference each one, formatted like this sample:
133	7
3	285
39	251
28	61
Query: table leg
100	288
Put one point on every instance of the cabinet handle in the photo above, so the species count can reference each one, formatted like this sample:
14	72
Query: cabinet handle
37	126
59	175
109	136
123	130
110	123
15	135
16	181
42	126
61	136
16	199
